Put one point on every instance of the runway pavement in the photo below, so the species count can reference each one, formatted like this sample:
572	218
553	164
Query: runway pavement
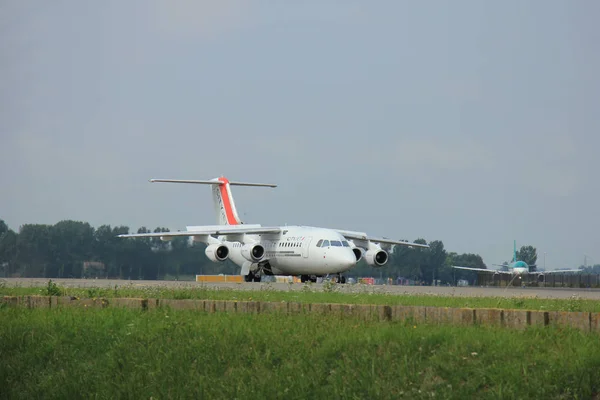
549	293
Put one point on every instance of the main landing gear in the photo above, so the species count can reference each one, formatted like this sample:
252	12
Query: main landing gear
251	277
308	278
312	278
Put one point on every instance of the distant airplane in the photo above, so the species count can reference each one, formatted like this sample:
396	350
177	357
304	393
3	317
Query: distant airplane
280	250
516	268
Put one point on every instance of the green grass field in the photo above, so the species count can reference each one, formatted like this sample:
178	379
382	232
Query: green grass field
331	294
119	353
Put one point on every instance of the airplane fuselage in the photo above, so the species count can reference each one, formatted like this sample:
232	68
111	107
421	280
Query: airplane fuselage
299	250
520	271
519	268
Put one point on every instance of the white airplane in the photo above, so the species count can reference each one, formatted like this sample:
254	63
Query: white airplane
516	268
280	250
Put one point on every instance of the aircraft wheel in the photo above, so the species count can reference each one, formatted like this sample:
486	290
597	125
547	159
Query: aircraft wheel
249	277
304	278
257	278
342	279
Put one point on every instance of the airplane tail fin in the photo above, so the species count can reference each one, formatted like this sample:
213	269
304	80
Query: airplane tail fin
222	198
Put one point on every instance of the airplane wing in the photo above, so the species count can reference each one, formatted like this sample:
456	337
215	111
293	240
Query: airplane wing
210	230
556	271
493	271
363	236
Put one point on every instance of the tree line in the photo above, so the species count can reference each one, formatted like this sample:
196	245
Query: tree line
75	249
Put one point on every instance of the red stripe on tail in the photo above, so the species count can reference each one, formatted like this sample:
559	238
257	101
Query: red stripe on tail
227	202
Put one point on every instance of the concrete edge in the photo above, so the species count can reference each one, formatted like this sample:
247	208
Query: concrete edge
508	318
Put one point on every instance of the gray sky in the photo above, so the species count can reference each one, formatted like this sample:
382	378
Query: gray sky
471	122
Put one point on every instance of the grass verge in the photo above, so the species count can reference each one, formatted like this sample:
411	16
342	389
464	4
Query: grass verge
120	353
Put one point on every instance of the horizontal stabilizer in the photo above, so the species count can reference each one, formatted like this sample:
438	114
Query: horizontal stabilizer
222	228
212	182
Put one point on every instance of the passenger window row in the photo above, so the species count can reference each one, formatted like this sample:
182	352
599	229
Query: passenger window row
274	244
290	244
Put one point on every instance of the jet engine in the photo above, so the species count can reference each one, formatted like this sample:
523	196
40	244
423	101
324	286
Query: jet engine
253	252
358	253
376	257
217	252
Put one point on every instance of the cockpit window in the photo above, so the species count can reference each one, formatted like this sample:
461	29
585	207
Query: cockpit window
319	243
345	243
325	243
336	243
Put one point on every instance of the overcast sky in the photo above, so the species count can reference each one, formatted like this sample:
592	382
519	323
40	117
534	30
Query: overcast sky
471	122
